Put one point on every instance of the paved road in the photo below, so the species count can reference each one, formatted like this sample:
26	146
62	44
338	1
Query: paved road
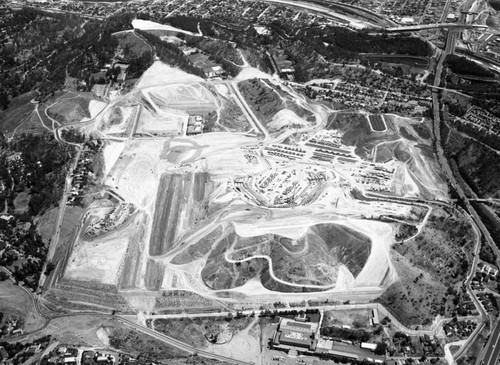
492	352
336	16
383	312
54	243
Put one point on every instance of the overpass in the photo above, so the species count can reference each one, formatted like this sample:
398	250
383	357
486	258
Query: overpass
414	28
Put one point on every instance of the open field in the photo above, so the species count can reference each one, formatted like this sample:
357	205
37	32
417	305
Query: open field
359	318
21	202
14	301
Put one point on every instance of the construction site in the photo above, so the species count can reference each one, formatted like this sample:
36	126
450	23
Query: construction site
238	215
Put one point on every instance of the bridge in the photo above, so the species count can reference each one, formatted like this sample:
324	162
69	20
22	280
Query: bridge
414	28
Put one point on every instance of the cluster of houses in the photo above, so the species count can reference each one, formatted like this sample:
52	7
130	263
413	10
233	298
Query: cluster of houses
483	119
355	95
459	329
83	172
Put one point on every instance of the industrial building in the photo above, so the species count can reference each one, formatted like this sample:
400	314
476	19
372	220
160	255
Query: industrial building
292	334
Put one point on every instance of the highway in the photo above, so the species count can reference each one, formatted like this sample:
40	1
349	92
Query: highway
414	28
475	220
492	353
333	15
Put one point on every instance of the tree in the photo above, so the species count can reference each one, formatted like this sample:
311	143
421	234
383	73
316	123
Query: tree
50	267
4	100
3	276
381	348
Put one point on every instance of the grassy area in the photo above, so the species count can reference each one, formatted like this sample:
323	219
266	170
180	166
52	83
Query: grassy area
19	110
70	108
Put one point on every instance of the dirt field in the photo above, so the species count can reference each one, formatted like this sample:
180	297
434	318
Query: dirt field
167	213
173	214
354	318
132	261
154	275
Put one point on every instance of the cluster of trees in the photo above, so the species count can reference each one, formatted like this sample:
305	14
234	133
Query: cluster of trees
356	335
486	253
44	159
28	242
40	172
474	163
72	135
13	349
362	42
171	54
67	45
463	66
405	231
221	52
138	65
